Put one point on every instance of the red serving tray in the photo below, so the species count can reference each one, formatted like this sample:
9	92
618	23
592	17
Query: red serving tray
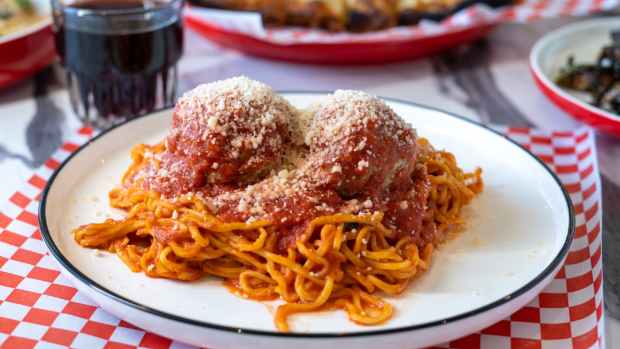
362	52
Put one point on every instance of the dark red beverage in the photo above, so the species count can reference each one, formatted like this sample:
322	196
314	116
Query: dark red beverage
120	57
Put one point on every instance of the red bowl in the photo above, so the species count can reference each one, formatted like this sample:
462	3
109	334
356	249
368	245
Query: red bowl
27	51
584	41
362	52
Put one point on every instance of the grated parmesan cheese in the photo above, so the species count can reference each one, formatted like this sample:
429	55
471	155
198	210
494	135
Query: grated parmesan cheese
297	153
362	164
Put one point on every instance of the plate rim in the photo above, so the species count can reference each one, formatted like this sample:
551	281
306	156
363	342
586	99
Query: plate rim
93	285
547	82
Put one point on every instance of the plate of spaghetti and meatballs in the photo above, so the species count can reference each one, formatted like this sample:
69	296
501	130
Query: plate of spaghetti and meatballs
245	217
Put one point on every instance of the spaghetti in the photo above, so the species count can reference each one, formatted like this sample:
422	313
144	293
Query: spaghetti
340	260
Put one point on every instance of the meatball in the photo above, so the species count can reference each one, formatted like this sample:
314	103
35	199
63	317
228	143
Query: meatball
235	129
359	145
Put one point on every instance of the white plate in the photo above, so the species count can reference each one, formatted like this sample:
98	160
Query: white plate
519	231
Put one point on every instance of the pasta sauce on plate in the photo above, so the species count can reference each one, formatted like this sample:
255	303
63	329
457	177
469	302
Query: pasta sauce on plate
354	156
321	208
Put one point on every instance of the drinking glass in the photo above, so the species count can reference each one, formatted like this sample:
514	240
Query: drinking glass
120	56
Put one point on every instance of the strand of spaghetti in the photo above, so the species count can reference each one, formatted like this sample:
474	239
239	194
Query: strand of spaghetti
244	278
427	254
229	227
312	255
276	258
128	258
357	300
403	243
97	234
243	256
285	310
362	315
303	289
361	239
359	277
390	254
327	235
352	257
197	236
191	252
374	220
257	244
281	288
339	237
227	272
169	264
147	259
404	274
392	289
390	266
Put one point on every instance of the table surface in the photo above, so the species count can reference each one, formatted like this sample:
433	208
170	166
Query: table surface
488	81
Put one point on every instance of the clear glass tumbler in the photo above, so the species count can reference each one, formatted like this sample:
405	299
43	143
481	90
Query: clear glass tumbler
120	56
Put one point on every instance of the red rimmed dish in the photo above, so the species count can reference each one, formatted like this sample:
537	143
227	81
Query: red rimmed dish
583	40
27	50
361	52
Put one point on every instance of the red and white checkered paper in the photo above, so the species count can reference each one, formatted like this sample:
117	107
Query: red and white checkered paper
474	16
40	309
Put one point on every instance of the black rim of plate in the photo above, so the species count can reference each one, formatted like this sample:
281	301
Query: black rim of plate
55	251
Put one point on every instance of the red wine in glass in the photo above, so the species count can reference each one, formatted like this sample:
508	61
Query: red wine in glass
120	55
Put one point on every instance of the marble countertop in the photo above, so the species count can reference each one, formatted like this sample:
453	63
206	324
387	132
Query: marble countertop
488	81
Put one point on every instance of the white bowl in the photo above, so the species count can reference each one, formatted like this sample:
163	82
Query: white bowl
583	40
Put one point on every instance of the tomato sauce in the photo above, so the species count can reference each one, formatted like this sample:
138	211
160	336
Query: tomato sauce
360	158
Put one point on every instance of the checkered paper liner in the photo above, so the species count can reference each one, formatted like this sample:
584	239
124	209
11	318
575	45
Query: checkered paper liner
250	23
39	308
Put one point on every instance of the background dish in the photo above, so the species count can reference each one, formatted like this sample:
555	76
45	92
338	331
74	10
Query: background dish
362	52
27	50
353	16
460	294
584	40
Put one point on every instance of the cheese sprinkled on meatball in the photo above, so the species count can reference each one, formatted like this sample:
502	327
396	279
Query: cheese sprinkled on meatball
363	137
234	129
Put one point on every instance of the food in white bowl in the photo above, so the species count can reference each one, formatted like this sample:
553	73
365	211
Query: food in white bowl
18	14
583	41
598	80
